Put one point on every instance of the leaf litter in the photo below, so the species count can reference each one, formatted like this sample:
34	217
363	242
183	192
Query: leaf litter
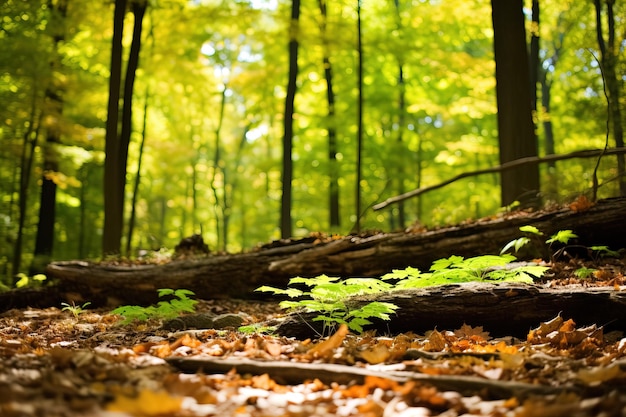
56	364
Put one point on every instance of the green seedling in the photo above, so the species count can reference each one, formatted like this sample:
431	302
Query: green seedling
456	269
584	273
331	297
74	309
257	328
26	281
328	296
562	237
535	235
163	310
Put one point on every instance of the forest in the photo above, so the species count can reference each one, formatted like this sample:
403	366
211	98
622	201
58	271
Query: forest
128	125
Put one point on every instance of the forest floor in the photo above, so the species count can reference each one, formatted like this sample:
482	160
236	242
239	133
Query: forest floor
55	363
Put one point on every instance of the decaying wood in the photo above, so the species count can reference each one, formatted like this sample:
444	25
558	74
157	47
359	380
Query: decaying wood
502	309
297	373
238	275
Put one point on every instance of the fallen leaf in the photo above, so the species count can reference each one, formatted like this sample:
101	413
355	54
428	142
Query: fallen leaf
327	346
146	403
435	343
376	354
601	374
273	349
474	333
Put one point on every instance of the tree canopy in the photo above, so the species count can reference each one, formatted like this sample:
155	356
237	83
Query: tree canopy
205	150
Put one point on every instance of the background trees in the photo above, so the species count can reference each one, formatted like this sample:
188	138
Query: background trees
211	88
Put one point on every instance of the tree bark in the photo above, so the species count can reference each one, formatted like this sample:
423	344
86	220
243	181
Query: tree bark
608	58
238	275
44	240
285	211
515	125
113	207
333	168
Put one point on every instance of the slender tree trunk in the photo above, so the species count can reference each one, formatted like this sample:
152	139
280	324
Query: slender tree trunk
401	122
138	8
83	173
335	219
44	240
359	136
533	59
287	174
230	186
133	205
217	170
113	203
608	53
515	124
31	137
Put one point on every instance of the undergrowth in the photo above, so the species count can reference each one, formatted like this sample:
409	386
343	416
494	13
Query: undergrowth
163	310
328	296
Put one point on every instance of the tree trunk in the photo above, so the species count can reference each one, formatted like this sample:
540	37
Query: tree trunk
333	169
113	206
609	63
137	182
287	175
359	134
44	240
401	122
31	137
515	124
139	9
237	276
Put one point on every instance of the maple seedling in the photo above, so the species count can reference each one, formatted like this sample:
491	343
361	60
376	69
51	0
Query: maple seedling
562	237
328	295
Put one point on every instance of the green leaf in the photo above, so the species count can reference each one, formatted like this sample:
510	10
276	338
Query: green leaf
605	251
23	281
357	323
409	272
444	263
531	229
183	293
290	292
368	285
584	273
165	291
562	236
310	282
517	244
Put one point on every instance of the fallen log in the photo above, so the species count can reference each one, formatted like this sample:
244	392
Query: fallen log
507	309
238	275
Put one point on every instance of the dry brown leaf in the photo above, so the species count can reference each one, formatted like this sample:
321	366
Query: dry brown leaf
327	346
473	333
568	326
273	349
436	342
376	354
582	203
